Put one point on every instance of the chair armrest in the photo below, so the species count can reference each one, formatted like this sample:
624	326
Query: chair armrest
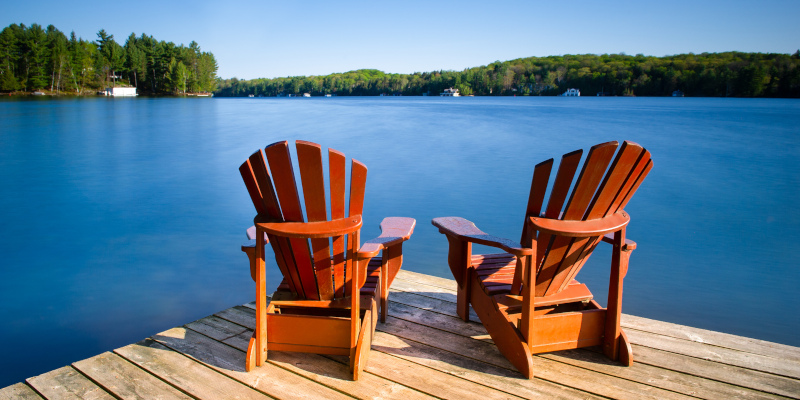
629	244
467	231
588	228
251	239
313	230
394	230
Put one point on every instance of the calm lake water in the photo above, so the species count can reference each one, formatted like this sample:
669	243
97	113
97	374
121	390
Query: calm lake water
124	217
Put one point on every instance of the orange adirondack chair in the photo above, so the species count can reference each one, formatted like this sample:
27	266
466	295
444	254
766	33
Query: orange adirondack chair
538	309
317	308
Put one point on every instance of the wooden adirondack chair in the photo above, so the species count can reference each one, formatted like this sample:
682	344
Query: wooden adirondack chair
317	308
538	309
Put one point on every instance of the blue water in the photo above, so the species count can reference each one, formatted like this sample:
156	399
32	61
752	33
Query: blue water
121	218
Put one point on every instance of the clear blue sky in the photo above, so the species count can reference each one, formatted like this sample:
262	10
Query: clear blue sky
252	39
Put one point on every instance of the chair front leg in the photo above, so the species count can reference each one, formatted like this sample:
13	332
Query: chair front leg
460	260
619	267
391	261
261	299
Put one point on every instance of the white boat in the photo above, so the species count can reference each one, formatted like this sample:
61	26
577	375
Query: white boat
306	94
450	93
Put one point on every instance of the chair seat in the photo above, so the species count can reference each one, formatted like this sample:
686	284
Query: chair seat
495	272
370	286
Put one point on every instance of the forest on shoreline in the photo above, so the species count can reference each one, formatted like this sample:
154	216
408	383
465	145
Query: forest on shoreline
729	74
33	58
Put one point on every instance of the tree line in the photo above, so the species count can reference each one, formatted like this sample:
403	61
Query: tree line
35	58
729	74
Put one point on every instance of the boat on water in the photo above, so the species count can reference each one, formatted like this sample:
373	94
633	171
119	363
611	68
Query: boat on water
450	93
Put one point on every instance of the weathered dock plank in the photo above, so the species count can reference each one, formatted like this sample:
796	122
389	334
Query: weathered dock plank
270	379
714	353
679	382
476	371
743	377
588	381
67	383
687	384
424	351
323	370
186	374
125	380
741	343
18	391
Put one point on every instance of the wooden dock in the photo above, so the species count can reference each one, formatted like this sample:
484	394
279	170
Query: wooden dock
424	351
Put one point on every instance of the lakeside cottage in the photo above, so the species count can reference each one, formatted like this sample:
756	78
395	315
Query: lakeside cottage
121	91
571	92
450	93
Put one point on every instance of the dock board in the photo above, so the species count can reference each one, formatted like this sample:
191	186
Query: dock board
424	351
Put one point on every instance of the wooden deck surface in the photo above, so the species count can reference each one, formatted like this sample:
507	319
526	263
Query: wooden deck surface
424	351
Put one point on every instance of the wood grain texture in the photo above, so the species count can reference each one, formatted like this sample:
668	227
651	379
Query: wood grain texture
67	383
423	337
280	163
18	391
465	230
185	373
336	171
269	378
718	339
125	380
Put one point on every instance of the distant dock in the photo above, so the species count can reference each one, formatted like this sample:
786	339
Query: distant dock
424	351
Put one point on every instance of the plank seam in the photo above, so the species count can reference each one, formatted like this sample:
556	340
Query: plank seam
705	377
26	383
99	384
422	283
561	385
713	345
277	365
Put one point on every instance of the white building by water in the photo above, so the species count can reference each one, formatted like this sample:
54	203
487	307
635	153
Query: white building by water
572	93
121	91
450	93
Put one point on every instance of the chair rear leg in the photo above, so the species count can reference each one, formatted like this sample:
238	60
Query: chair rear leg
619	266
384	284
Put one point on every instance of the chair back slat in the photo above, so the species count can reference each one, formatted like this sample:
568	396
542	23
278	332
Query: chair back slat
358	184
267	204
315	268
566	172
592	172
280	163
337	172
591	175
581	248
541	177
564	176
636	183
618	174
309	158
252	186
600	190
